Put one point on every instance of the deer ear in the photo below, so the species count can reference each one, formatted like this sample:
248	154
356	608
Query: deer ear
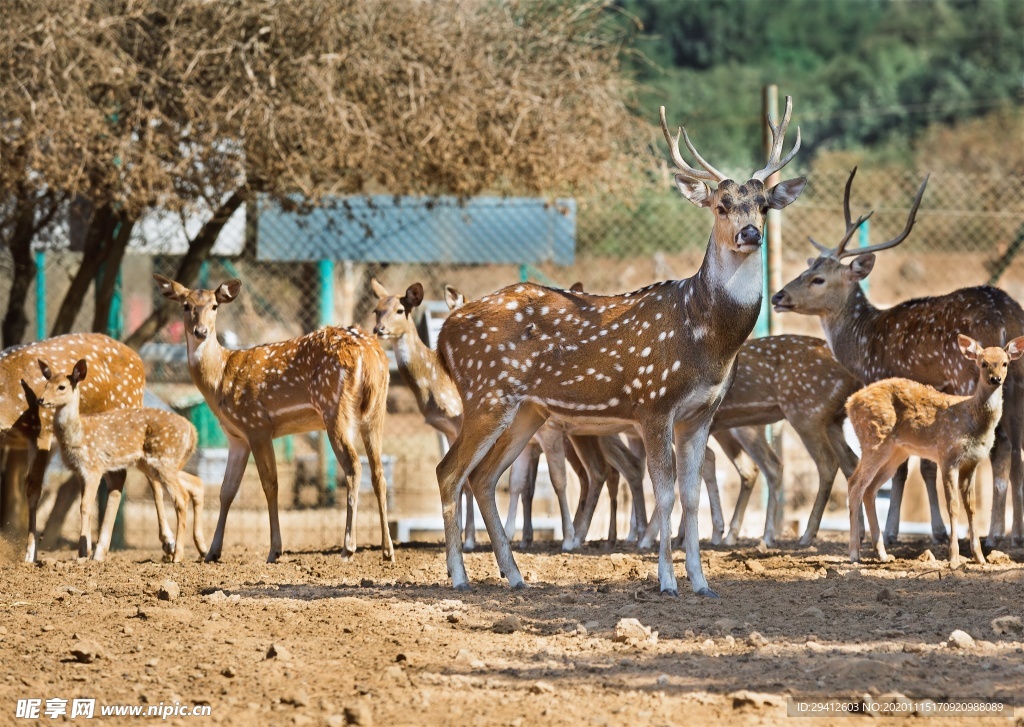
694	190
453	298
785	193
413	297
577	287
1015	348
45	369
379	290
861	267
227	292
170	289
78	373
968	346
30	394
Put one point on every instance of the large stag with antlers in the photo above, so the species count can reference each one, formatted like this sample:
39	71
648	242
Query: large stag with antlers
334	379
916	340
661	357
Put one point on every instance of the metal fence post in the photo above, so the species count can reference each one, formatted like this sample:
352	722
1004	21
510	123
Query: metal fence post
326	271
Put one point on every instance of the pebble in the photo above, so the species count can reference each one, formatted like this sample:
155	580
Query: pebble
507	625
542	687
727	624
276	651
366	583
885	595
359	714
296	697
168	591
87	652
394	673
927	557
756	639
829	593
664	680
960	640
228	672
998	556
813	612
454	618
754	566
1007	625
465	657
631	630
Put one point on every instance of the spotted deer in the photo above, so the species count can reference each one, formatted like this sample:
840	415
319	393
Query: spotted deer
897	418
334	379
118	382
158	443
916	340
660	357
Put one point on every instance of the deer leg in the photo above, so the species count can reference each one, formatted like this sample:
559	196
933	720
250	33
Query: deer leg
710	477
347	456
90	486
930	472
967	498
469	530
827	463
892	520
748	472
884	474
626	462
531	490
38	462
115	488
238	458
167	541
555	452
863	477
195	489
1000	457
266	464
517	484
688	460
755	444
167	477
485	479
950	485
589	451
465	453
372	433
613	506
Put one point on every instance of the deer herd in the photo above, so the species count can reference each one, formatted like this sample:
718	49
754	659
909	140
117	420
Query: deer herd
609	384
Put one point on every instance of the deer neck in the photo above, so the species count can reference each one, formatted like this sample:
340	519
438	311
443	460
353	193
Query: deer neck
206	361
414	360
850	331
725	280
986	404
67	425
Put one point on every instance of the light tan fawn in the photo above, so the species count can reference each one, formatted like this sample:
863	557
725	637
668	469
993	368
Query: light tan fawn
334	379
118	381
156	442
897	418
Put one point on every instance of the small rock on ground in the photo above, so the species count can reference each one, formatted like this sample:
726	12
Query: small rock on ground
1006	625
630	629
961	640
168	591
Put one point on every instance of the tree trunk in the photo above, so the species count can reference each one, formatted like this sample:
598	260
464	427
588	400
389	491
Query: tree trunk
97	243
198	251
20	242
106	282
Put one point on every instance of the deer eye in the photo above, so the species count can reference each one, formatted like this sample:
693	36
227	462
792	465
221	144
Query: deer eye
215	306
61	387
401	311
818	281
186	307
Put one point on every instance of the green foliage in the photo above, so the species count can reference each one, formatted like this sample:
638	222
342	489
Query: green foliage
865	73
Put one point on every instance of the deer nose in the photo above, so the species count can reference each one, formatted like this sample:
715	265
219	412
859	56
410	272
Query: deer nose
200	332
377	330
749	235
779	297
995	380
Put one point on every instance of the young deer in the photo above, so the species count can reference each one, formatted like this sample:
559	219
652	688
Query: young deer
156	442
661	357
334	379
916	340
118	381
897	418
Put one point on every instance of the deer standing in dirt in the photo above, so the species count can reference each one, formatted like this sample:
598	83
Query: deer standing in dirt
897	418
156	442
334	379
118	382
916	340
660	357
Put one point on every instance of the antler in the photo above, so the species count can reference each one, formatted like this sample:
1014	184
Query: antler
709	175
841	252
837	252
778	137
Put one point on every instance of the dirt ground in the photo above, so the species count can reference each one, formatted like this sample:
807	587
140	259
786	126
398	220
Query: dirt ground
363	642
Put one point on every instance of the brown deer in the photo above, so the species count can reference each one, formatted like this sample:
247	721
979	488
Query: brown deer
156	442
897	418
916	339
118	382
334	379
660	357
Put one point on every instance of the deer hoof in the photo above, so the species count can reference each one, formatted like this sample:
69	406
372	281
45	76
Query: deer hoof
461	587
272	556
674	593
806	541
707	593
468	547
521	586
169	547
212	557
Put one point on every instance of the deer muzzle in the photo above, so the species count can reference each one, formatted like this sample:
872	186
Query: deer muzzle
748	237
200	333
782	302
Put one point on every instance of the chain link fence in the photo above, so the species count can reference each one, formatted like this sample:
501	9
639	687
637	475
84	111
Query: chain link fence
969	231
